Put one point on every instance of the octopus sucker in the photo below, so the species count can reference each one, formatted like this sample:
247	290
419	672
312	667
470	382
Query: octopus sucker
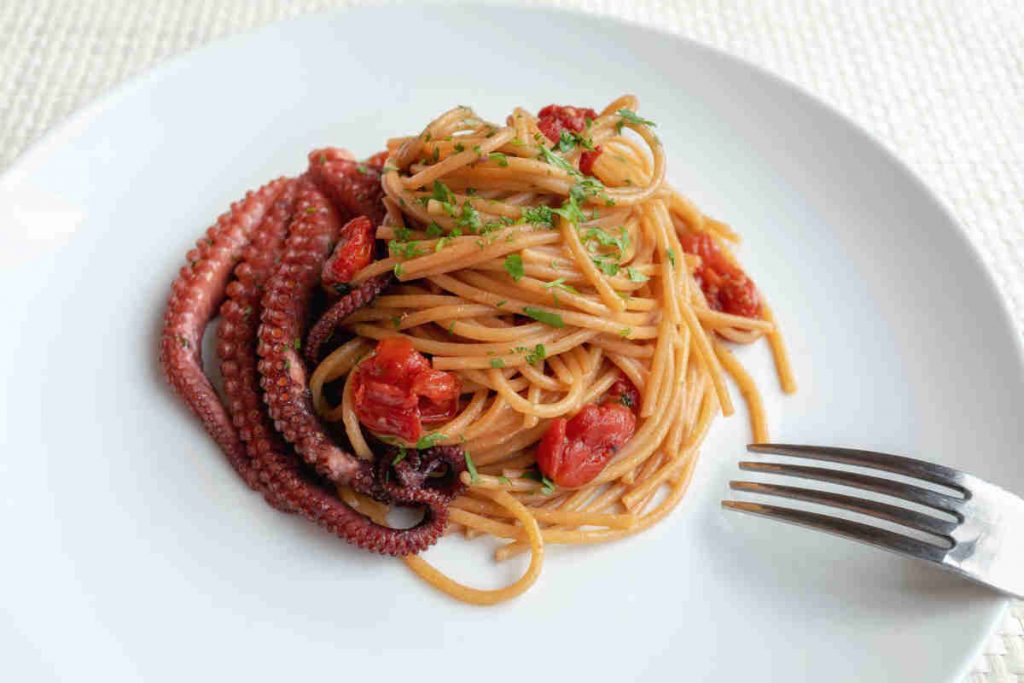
195	297
327	323
260	266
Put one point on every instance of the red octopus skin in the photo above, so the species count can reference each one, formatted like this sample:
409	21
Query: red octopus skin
195	295
236	339
286	485
286	304
352	185
327	323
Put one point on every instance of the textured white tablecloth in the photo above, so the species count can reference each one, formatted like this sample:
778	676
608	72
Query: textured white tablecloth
941	82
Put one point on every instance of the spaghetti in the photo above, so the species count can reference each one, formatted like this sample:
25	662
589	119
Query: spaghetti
581	306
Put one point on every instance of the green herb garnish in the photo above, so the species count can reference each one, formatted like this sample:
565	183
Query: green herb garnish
635	275
502	159
470	467
428	440
497	363
514	266
542	316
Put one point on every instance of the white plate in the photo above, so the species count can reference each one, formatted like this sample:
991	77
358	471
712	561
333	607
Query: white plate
132	551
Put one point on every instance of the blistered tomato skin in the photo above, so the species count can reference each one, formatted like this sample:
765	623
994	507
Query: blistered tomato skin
554	118
624	393
352	253
396	391
573	452
726	287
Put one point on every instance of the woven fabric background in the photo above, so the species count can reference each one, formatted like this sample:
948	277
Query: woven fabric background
940	82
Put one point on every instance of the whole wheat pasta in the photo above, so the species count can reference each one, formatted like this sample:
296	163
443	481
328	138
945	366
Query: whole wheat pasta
553	274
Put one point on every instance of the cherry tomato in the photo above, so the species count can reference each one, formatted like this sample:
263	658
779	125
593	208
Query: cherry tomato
726	287
587	160
377	160
352	253
396	391
554	118
624	393
572	452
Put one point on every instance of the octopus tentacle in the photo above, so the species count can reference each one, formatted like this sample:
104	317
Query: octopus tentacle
195	296
354	186
286	304
328	322
236	342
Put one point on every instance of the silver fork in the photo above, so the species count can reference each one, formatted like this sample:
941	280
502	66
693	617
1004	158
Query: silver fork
984	543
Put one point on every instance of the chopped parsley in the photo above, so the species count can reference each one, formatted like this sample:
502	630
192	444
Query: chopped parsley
396	321
183	340
625	332
428	440
501	303
514	266
469	218
451	327
399	270
608	266
442	193
559	284
471	467
672	257
400	457
635	275
629	116
362	169
402	234
247	312
547	487
606	239
405	250
434	230
553	159
542	316
297	344
310	209
504	480
502	159
497	363
459	147
539	215
538	353
436	155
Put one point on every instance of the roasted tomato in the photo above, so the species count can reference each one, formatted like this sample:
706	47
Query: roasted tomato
352	253
587	160
396	391
378	159
572	452
554	118
726	287
624	393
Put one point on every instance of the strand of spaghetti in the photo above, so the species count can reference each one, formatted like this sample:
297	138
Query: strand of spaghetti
459	349
650	434
666	338
778	346
456	161
569	403
351	422
620	521
707	358
632	369
571	239
752	397
494	448
535	375
476	596
512	333
716	320
675	465
473	293
511	358
484	423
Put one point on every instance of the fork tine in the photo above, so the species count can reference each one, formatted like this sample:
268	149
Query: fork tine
897	464
856	531
900	515
916	494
